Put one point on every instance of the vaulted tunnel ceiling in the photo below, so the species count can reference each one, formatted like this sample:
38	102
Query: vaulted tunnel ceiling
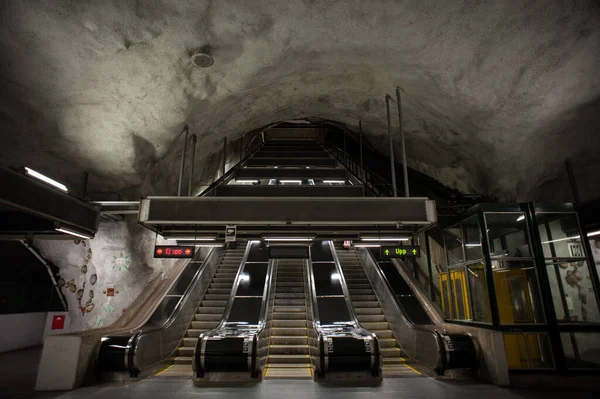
497	95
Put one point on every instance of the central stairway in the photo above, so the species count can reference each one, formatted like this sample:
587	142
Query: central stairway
209	312
288	352
370	315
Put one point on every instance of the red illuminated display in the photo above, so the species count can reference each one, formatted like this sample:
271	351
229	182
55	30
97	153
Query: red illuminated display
165	251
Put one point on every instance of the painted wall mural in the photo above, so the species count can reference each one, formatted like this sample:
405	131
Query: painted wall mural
101	277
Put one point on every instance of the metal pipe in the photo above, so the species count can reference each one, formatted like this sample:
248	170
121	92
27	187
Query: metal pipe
194	139
389	123
572	181
224	155
404	166
187	130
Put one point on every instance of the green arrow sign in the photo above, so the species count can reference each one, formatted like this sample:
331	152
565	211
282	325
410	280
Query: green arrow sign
401	251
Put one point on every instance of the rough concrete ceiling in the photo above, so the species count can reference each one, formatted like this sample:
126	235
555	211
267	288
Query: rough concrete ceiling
497	94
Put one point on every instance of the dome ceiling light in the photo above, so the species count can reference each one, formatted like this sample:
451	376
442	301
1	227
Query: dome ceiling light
201	58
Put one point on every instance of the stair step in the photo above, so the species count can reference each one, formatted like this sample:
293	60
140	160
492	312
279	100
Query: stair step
289	331
221	285
216	297
359	286
211	310
369	318
356	291
287	284
214	290
290	302
208	316
387	342
375	326
359	298
289	323
383	334
393	360
289	290
289	315
194	333
288	349
365	304
289	340
210	303
296	359
185	351
190	341
287	309
205	325
290	295
390	352
368	311
183	360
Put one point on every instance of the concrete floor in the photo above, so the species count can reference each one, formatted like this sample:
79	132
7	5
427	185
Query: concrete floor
18	373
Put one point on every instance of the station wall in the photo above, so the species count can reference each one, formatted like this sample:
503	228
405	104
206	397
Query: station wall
101	277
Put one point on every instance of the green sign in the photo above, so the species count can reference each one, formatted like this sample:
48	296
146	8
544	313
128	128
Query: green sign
401	251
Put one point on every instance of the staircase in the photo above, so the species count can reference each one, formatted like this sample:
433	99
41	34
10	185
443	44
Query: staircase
209	312
288	354
370	315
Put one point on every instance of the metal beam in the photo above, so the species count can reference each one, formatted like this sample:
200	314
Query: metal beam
404	166
182	166
286	211
392	163
36	198
278	173
289	191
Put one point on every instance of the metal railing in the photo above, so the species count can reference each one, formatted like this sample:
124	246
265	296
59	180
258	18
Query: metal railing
377	185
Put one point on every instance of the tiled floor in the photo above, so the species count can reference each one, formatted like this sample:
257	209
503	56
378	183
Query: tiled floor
18	372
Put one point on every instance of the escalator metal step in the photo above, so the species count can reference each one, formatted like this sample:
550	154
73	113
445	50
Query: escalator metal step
289	340
288	331
208	316
183	360
289	359
368	311
370	318
288	349
211	310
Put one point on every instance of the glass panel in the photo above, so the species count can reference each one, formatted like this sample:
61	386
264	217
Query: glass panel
517	292
582	350
480	301
559	234
252	279
528	351
472	237
454	246
458	295
327	279
507	235
572	292
445	296
438	263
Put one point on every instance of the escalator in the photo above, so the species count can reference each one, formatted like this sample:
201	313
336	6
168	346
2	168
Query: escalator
234	350
164	339
371	316
421	339
288	342
208	314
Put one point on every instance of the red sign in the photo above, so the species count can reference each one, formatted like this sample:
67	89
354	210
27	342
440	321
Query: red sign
58	322
167	251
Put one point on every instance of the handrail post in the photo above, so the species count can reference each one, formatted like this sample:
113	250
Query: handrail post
404	166
187	130
389	123
224	155
194	139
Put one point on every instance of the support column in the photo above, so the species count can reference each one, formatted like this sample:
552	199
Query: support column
187	130
404	166
194	139
392	163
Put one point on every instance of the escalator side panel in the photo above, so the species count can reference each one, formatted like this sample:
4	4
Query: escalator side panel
332	310
245	310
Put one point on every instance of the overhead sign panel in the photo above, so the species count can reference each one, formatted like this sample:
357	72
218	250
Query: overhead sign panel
230	233
173	251
401	251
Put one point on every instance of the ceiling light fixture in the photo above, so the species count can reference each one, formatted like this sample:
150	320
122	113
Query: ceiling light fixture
73	233
288	238
385	238
359	245
201	58
334	181
522	217
191	238
46	179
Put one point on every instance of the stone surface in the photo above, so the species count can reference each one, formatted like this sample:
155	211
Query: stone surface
121	256
496	94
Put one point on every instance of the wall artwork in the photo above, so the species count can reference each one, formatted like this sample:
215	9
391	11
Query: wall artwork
121	262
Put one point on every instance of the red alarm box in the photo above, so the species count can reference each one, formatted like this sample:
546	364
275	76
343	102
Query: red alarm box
58	322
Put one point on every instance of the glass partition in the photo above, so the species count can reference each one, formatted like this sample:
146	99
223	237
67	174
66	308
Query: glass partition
573	293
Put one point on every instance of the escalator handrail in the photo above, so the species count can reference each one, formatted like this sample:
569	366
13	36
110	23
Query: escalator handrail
262	320
336	260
